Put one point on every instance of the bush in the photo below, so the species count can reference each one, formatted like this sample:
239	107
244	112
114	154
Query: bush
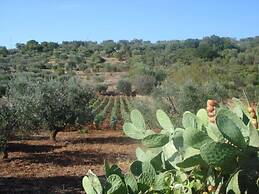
101	88
124	86
191	97
216	91
144	84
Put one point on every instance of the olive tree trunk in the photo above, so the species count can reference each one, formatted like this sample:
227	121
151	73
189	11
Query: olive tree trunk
53	133
4	154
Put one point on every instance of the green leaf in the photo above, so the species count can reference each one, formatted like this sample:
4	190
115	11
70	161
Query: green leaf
230	126
117	185
155	140
195	138
138	120
133	132
164	121
233	184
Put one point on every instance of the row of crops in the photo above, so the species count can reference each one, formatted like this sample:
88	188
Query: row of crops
112	109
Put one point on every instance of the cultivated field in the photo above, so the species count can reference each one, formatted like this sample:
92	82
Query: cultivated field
43	167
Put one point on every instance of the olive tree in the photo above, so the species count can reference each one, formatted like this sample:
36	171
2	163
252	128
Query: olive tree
64	103
50	104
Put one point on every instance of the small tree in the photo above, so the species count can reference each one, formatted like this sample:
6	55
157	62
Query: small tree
124	86
51	105
64	104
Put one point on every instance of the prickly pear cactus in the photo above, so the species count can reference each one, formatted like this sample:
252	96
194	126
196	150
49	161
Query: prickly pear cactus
201	157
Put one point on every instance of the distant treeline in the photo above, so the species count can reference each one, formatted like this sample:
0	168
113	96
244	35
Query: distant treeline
233	63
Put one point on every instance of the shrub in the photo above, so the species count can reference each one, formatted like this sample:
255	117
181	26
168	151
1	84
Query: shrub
144	84
216	91
124	86
191	97
101	88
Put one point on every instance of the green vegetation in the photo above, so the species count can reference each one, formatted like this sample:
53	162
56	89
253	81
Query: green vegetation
124	86
53	105
200	157
231	63
114	114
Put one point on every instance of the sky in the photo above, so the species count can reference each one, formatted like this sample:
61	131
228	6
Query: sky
98	20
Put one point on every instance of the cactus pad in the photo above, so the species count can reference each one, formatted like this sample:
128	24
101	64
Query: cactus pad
218	154
164	121
231	127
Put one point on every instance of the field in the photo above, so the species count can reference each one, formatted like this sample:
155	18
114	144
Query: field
111	111
43	167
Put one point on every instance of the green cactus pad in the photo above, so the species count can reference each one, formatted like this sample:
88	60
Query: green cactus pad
91	184
218	154
117	185
195	138
214	133
155	140
169	150
164	121
202	115
232	127
191	158
136	168
131	183
189	120
132	131
148	174
138	120
162	181
87	185
253	136
233	186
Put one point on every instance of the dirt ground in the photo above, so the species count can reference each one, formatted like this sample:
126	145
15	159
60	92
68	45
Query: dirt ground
37	165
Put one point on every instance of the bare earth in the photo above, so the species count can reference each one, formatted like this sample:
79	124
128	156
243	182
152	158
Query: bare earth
38	165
